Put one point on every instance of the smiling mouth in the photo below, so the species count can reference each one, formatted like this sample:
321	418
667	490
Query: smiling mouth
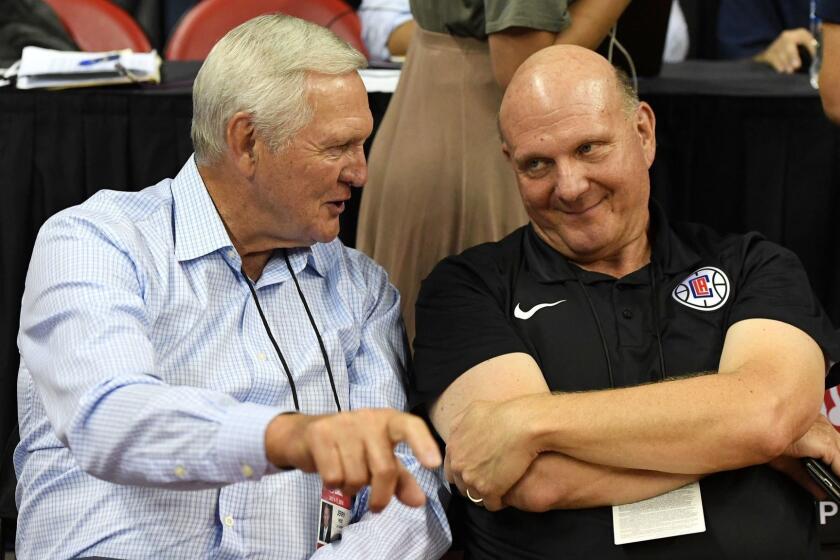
584	211
338	205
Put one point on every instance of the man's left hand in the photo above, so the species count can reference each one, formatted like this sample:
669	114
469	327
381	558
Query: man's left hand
489	449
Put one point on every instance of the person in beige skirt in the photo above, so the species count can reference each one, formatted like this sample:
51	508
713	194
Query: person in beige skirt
438	182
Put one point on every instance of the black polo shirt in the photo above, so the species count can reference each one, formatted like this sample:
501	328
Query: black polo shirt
520	295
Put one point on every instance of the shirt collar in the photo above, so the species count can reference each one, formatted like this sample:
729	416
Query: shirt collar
199	229
319	257
668	250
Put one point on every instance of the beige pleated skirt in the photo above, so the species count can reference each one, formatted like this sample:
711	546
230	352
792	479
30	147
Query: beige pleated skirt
438	182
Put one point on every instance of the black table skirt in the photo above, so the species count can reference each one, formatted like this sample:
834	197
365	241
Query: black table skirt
739	148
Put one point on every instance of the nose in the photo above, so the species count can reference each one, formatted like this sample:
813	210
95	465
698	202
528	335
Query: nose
355	172
572	182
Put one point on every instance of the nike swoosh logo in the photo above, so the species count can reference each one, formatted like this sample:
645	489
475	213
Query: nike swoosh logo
525	315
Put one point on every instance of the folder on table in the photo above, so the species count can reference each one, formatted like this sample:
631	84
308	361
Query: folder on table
47	68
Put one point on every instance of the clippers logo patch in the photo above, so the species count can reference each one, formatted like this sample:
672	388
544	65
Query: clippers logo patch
706	289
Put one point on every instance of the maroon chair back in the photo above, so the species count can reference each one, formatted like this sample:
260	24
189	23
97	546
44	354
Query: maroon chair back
209	20
100	25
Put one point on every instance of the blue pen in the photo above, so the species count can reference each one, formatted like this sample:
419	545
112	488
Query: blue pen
100	59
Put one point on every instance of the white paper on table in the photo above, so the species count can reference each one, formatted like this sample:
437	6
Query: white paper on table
43	68
678	512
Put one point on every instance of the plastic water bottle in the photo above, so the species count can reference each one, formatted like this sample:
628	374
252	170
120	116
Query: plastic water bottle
816	60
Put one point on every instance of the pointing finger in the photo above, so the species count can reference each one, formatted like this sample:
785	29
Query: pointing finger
413	431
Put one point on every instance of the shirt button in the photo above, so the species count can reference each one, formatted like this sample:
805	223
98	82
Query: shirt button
627	314
247	471
180	471
228	521
231	253
261	356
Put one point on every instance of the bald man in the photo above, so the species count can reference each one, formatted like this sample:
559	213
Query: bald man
599	356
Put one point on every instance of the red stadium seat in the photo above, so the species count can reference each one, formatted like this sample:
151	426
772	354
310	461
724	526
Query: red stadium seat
100	25
209	20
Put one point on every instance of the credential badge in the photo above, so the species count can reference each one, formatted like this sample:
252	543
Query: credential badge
705	289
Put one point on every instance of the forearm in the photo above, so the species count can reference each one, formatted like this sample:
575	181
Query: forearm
85	341
698	425
150	434
591	22
766	394
556	481
400	38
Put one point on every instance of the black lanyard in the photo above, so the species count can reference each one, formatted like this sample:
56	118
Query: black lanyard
314	328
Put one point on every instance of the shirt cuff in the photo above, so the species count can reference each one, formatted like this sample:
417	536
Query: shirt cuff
240	442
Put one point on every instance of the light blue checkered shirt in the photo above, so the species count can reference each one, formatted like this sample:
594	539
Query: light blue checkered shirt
147	381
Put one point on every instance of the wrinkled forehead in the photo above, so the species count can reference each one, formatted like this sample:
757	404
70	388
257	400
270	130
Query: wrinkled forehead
550	102
329	89
550	94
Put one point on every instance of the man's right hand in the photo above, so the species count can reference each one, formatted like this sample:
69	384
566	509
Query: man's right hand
821	441
353	449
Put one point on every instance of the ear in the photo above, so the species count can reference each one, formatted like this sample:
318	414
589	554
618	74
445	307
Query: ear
506	151
241	141
646	129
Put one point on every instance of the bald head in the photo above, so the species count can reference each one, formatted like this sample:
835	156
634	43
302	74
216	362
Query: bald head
564	74
581	159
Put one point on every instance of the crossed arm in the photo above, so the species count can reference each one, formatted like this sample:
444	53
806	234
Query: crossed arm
514	443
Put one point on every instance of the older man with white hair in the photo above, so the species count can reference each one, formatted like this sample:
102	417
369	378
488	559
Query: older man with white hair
204	367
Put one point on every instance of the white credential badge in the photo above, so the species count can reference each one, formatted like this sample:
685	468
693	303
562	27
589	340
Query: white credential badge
678	512
705	289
